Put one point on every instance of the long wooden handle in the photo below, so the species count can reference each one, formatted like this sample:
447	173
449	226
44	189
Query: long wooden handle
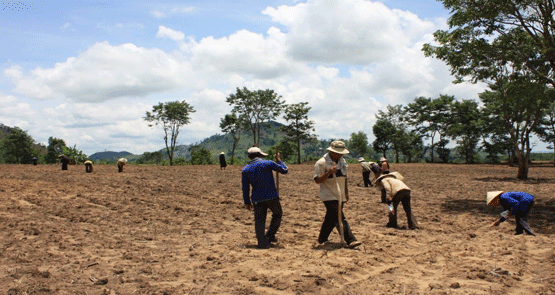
277	174
339	209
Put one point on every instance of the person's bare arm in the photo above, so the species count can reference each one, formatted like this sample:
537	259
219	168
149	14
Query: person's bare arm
326	175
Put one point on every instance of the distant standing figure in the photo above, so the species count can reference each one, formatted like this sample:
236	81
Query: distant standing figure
330	172
366	169
64	160
258	174
223	163
397	192
88	166
34	160
514	203
384	165
121	163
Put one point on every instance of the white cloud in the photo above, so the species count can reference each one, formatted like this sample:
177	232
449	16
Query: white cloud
349	31
105	72
157	14
164	32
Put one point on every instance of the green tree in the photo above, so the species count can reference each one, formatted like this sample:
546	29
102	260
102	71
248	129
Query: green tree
74	154
54	149
253	108
412	145
396	117
358	144
230	124
506	44
382	131
299	128
200	155
430	117
17	147
466	128
522	104
485	35
171	115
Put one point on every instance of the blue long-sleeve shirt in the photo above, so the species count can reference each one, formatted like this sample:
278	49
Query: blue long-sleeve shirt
258	174
515	201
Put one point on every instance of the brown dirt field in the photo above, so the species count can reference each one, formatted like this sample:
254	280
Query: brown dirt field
183	230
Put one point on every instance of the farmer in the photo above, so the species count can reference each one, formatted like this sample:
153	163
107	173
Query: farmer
88	166
34	160
384	165
121	163
396	191
366	169
223	163
64	160
514	203
264	196
330	171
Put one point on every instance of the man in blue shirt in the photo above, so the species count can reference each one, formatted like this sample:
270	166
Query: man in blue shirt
514	203
258	174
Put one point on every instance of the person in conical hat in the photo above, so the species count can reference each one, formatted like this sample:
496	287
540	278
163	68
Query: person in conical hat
397	192
223	162
514	203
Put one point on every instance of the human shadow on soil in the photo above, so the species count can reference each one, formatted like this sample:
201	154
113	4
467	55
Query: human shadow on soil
541	218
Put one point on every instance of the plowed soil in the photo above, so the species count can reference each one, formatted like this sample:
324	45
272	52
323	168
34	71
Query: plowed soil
183	230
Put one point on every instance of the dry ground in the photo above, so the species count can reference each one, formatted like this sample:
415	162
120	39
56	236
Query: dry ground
183	230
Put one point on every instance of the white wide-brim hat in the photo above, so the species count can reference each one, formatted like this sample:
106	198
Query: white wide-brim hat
256	150
338	147
491	195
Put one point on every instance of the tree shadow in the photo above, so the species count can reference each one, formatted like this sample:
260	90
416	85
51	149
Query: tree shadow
541	218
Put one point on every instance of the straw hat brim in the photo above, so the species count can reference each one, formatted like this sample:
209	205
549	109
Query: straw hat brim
490	196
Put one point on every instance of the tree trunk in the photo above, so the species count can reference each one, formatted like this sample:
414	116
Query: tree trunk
523	167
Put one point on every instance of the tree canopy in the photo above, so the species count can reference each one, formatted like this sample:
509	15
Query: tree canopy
171	116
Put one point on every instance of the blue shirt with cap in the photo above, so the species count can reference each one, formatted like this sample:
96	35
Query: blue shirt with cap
258	174
515	201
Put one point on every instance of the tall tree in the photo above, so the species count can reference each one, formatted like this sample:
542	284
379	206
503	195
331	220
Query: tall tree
522	104
17	147
54	149
430	117
358	144
412	145
299	128
466	128
382	130
230	124
501	42
171	115
396	117
253	108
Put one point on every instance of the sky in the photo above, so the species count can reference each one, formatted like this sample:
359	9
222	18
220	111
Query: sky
88	71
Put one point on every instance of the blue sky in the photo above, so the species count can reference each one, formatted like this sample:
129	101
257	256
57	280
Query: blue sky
87	71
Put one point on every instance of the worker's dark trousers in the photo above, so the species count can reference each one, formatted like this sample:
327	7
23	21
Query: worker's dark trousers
260	213
402	196
88	168
120	168
366	178
522	221
331	221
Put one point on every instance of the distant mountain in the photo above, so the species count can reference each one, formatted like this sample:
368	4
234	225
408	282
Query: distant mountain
109	155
